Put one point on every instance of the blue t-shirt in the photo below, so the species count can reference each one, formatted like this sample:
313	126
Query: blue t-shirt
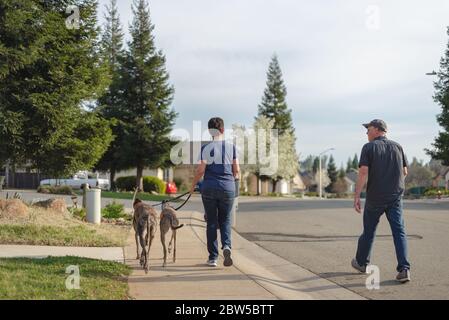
219	156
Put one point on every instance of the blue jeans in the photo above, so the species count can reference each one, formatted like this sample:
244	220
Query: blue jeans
218	207
371	217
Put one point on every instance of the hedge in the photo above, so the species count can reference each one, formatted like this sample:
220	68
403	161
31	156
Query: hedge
149	184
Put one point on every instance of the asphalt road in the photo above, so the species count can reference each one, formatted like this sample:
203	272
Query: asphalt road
321	236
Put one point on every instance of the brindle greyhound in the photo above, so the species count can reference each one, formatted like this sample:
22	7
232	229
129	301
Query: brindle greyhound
144	220
169	221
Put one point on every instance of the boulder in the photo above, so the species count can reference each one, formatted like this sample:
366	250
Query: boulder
13	208
55	204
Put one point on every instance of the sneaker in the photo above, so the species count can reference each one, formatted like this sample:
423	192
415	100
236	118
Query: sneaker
358	267
404	276
227	257
212	263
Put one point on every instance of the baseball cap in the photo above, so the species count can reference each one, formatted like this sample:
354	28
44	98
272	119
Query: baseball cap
377	123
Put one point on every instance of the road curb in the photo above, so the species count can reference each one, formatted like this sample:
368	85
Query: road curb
285	280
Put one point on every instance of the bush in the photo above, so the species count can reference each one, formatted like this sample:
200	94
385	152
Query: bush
126	183
154	184
149	184
433	192
66	190
79	213
274	194
311	194
113	211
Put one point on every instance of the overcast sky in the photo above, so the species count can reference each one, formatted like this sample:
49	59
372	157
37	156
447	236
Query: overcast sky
344	62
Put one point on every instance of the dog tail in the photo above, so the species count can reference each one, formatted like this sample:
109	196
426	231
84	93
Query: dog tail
175	223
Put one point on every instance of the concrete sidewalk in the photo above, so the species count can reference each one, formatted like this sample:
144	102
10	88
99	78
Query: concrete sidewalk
256	275
40	252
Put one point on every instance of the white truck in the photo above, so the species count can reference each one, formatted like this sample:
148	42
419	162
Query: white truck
80	178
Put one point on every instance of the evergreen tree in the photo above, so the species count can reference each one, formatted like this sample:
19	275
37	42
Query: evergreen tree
273	104
145	111
342	173
355	162
47	73
109	102
349	165
440	149
316	165
332	173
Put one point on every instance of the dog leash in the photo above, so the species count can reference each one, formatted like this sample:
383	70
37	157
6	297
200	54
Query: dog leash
173	199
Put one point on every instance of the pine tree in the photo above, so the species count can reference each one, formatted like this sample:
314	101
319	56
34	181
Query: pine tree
147	96
355	162
109	103
440	149
349	165
47	73
273	104
332	173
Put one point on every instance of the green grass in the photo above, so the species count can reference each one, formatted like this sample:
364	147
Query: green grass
44	279
46	235
129	196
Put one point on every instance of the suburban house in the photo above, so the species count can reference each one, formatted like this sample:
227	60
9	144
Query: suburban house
185	173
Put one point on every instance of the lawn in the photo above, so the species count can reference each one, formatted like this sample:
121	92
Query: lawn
71	236
48	228
129	196
45	279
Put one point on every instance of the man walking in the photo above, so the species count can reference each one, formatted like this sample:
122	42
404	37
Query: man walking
383	162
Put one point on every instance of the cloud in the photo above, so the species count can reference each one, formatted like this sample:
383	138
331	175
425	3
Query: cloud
338	72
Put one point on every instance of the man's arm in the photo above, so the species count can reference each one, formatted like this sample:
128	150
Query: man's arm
405	172
361	181
199	174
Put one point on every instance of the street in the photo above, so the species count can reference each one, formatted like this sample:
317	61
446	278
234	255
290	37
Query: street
321	236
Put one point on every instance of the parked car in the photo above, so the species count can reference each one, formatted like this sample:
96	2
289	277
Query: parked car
79	179
171	188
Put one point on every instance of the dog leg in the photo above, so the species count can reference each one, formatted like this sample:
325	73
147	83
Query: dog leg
170	245
151	233
174	246
137	245
164	247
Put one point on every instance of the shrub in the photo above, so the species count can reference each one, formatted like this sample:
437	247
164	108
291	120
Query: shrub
149	184
126	183
66	190
154	184
311	194
433	192
79	213
113	211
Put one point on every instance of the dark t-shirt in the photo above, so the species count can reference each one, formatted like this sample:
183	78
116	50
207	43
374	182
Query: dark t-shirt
219	157
386	161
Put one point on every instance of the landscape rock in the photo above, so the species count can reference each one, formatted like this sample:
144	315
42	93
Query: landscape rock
55	204
13	208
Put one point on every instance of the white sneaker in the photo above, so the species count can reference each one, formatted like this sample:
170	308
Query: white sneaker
212	263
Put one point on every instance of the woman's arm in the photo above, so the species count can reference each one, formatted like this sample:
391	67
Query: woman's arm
199	174
236	169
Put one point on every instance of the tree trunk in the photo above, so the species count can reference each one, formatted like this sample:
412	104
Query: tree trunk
275	182
258	185
112	177
139	178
